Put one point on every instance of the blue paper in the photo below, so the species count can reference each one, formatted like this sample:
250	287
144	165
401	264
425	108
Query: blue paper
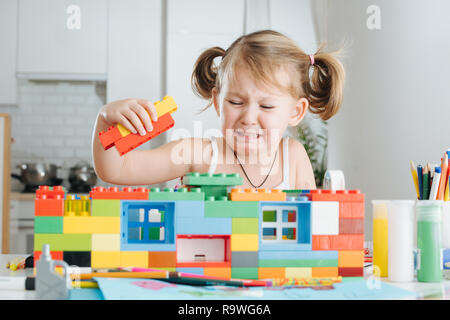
149	289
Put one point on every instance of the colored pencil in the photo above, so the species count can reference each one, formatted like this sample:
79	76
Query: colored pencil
436	179
420	178
142	275
415	178
425	183
442	181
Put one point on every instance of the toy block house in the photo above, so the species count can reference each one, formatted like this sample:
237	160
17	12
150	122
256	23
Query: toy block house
209	227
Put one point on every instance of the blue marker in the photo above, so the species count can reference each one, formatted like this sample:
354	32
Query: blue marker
420	178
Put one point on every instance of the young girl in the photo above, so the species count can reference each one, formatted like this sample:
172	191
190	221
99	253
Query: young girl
261	86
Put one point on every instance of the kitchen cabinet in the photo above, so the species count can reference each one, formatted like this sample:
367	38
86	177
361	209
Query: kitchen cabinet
8	38
64	39
5	164
21	225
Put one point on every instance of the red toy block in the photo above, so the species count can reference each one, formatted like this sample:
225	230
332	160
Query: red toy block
113	193
351	226
56	255
162	259
351	272
321	242
134	140
338	195
338	242
109	137
49	202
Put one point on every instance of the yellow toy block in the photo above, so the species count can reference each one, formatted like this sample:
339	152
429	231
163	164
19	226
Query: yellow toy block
217	272
298	272
351	258
271	273
239	194
138	259
105	259
162	107
244	242
91	225
106	242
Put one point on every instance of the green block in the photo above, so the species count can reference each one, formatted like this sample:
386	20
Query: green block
244	226
244	273
231	209
48	224
181	194
105	208
305	263
215	191
207	179
269	216
153	233
63	242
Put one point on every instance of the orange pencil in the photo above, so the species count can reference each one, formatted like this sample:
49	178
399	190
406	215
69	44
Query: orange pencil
141	275
442	182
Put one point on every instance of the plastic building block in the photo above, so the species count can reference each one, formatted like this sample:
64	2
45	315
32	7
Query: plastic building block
337	195
325	217
225	208
351	272
298	272
105	208
56	255
106	242
77	258
63	242
322	272
244	273
195	194
55	192
299	263
244	259
48	224
162	259
351	259
197	271
134	140
338	242
203	251
113	193
189	209
351	226
239	194
105	259
271	273
244	242
49	202
77	206
207	179
205	226
138	259
224	273
91	225
109	137
244	226
300	255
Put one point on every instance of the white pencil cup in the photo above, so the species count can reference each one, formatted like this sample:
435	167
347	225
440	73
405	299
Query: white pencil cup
446	225
401	221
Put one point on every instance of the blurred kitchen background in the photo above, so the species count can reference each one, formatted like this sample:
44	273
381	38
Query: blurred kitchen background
61	60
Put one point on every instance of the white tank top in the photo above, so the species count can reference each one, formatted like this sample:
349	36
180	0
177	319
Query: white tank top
283	185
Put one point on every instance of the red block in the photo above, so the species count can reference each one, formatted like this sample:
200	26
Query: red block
351	226
338	242
49	201
50	192
113	193
134	140
109	137
338	195
56	255
351	272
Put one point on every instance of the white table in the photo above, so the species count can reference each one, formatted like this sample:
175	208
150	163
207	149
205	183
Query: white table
427	290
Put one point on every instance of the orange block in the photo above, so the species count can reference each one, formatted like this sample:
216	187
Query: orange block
49	207
113	193
338	242
321	242
56	255
218	272
239	194
351	258
351	210
338	195
271	273
322	272
162	259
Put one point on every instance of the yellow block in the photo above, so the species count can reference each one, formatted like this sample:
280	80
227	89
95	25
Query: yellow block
298	272
244	242
105	259
218	272
138	259
91	225
271	273
351	258
105	242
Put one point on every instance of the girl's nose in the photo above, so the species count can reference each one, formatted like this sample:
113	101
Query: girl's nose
249	115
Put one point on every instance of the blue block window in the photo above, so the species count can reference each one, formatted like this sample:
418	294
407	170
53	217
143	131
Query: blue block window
148	222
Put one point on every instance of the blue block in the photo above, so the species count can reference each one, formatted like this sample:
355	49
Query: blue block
189	209
297	255
199	271
285	246
213	226
147	247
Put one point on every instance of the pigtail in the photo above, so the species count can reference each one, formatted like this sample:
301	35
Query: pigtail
325	87
204	76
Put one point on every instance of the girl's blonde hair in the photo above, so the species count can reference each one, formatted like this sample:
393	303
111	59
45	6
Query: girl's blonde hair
262	53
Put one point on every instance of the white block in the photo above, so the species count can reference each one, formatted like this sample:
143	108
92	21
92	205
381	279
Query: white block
161	233
154	215
324	217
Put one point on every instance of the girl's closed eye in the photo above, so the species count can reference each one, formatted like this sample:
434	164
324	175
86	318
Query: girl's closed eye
235	103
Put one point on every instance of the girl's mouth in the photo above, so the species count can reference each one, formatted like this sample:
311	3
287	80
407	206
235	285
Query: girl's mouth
249	135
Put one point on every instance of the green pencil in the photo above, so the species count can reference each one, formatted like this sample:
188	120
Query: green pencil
425	184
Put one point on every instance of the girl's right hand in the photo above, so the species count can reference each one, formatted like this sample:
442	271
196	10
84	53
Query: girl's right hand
134	114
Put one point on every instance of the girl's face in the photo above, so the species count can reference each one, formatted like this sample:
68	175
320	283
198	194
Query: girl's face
253	115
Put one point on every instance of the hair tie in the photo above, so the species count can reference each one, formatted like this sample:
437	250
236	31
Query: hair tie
311	58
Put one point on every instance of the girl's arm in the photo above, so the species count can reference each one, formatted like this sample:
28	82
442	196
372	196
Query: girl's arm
304	174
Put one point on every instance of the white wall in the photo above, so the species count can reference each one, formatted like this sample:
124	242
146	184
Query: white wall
396	105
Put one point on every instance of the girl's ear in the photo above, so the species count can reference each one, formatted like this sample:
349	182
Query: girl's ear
299	111
215	96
